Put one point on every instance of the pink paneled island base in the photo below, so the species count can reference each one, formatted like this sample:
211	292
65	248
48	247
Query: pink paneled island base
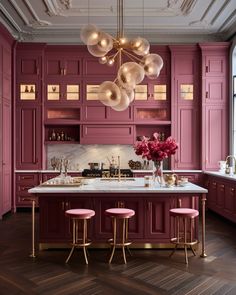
150	227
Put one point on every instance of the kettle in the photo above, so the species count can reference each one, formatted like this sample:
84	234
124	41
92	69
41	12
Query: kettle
171	179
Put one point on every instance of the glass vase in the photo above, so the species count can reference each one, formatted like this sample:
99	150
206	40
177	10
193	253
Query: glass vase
158	172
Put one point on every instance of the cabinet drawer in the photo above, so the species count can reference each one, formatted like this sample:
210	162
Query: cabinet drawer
107	134
27	178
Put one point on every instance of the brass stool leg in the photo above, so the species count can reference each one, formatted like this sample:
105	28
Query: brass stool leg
33	230
176	245
126	234
84	240
75	227
123	239
185	240
114	240
191	236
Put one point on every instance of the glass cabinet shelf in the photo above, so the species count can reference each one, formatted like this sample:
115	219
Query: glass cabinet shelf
72	92
92	92
27	91
141	92
186	91
53	92
160	92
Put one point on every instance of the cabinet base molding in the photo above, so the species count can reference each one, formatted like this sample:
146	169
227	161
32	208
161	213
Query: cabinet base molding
135	245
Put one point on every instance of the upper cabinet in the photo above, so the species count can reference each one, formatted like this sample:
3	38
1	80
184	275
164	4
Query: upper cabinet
29	65
62	65
215	103
185	105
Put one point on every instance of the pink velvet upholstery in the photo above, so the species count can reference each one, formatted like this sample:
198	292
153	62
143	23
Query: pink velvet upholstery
184	212
120	212
80	213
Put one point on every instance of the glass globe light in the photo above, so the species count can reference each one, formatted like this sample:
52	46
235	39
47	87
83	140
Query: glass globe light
152	71
89	34
153	58
130	74
140	46
131	94
105	42
96	51
124	102
109	93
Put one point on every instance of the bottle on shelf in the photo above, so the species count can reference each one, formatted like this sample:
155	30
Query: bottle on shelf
53	136
62	136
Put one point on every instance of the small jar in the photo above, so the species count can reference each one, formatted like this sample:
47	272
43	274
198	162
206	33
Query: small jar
147	181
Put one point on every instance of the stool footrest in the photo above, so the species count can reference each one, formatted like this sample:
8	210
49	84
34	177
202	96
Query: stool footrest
87	243
181	242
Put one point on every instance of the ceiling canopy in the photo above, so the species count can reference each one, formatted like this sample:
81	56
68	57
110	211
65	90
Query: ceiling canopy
162	21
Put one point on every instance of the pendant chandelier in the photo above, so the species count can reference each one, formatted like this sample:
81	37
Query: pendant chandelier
118	94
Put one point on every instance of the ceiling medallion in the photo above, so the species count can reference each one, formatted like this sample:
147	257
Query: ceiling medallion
118	94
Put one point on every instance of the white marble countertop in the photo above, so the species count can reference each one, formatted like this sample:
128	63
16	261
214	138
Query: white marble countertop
97	185
222	175
46	171
167	171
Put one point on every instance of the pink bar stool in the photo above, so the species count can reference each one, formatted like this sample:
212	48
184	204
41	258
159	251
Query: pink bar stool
123	215
79	215
184	238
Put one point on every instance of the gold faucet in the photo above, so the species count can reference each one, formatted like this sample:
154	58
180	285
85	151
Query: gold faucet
228	165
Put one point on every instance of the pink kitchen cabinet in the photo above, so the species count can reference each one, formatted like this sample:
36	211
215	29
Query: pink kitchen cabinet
103	223
62	65
25	181
185	106
215	103
28	137
157	218
6	188
107	134
29	61
221	196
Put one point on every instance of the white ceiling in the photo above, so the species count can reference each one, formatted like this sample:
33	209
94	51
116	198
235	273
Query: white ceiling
160	21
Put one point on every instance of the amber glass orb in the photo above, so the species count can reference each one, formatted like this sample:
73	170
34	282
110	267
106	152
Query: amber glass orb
109	93
89	34
124	102
140	46
130	74
105	42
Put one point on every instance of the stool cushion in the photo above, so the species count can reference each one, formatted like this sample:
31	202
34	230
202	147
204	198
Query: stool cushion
184	212
120	212
80	213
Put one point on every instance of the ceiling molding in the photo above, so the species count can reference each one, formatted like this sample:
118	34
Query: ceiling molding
32	19
220	10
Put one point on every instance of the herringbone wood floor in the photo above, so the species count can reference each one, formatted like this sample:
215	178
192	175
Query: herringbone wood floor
147	272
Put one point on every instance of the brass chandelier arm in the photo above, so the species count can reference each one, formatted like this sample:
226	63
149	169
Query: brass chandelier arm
131	56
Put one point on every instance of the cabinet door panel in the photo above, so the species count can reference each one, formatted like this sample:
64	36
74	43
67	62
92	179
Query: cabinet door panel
215	65
157	218
6	156
215	90
95	113
52	219
28	138
28	65
215	136
103	225
230	201
188	137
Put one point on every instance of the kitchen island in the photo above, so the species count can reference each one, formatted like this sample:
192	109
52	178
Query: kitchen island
150	227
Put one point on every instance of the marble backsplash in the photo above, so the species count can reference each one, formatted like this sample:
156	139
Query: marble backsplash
80	155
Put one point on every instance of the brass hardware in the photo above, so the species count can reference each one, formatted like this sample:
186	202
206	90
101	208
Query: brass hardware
214	183
63	206
67	205
61	71
64	71
206	69
222	186
232	190
179	203
26	177
37	70
25	188
149	206
206	94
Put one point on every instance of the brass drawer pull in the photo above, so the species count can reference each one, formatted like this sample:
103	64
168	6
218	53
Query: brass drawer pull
232	190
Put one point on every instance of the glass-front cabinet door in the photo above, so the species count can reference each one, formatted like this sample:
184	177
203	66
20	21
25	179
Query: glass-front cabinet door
28	91
62	92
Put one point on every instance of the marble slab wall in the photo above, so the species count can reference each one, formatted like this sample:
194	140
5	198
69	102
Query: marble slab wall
80	155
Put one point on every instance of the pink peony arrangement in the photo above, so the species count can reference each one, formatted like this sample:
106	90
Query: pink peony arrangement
154	149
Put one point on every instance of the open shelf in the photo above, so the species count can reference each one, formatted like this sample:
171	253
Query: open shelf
62	134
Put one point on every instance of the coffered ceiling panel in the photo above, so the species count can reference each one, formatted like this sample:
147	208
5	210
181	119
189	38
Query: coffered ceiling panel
162	21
